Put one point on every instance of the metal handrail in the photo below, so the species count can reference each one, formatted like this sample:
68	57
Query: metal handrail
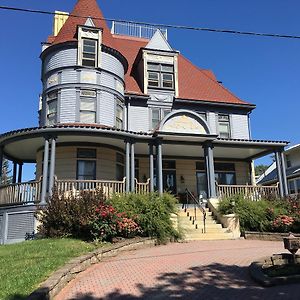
196	203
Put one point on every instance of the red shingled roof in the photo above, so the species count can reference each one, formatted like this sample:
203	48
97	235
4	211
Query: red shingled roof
86	8
194	83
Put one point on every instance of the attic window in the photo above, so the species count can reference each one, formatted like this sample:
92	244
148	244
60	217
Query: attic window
89	52
160	76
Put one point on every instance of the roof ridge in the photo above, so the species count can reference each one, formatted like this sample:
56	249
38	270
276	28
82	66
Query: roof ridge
215	82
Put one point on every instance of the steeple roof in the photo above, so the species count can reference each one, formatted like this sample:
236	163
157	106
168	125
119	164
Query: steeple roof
85	8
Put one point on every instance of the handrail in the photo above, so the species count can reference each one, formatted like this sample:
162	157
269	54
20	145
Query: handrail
142	187
196	203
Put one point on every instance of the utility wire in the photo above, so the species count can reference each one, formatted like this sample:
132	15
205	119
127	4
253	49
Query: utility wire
237	32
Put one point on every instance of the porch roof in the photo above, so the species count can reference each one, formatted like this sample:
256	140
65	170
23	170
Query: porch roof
22	145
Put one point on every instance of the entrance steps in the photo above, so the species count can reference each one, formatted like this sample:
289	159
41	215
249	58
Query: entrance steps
193	229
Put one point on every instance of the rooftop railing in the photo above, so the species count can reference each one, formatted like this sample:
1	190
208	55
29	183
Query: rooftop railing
136	30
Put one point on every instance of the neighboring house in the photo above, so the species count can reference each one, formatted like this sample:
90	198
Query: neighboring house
292	165
116	104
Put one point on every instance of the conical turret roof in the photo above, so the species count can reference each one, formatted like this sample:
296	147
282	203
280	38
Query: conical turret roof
82	10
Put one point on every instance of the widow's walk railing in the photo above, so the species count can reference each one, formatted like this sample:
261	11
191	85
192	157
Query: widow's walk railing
252	192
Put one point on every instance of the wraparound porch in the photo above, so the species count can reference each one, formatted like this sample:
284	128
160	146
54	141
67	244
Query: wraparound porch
200	161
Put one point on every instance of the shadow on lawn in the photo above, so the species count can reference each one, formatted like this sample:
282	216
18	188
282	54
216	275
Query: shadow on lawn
215	281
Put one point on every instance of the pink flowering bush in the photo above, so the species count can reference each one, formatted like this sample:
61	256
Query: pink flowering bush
283	223
109	223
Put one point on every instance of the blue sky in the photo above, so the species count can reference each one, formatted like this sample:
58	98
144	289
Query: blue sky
263	71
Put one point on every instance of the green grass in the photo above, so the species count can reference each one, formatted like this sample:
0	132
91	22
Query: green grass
24	266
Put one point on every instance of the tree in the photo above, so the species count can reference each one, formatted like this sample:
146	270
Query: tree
6	177
260	169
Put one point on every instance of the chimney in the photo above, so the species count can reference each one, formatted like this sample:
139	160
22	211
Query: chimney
60	19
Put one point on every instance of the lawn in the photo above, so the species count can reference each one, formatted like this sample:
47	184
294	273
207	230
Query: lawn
24	266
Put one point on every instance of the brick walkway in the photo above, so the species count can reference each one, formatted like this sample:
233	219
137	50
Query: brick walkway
196	270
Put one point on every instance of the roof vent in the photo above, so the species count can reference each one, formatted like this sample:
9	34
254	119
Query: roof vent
136	30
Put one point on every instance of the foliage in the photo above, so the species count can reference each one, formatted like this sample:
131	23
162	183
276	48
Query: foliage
88	216
25	265
260	169
109	223
69	214
151	212
274	215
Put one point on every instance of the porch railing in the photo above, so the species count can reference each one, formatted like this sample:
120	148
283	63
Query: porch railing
142	187
20	193
108	187
254	193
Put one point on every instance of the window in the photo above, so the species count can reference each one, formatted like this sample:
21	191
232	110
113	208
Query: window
88	106
136	169
298	185
119	166
161	76
291	186
288	161
224	172
119	114
224	126
52	108
202	115
86	164
158	114
89	52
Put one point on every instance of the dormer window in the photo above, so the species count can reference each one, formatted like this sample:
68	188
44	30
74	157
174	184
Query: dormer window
160	76
89	46
89	52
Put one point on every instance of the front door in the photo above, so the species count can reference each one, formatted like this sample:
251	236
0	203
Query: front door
202	185
169	181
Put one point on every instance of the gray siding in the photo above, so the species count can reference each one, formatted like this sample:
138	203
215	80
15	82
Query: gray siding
107	109
239	126
18	224
61	58
110	63
211	119
138	118
107	80
68	76
68	106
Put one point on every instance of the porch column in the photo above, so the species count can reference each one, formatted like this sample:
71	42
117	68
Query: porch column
45	172
210	169
127	166
1	162
14	179
159	174
132	168
52	166
20	172
285	182
279	173
151	167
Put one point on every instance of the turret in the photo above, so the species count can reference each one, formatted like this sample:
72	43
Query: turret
82	72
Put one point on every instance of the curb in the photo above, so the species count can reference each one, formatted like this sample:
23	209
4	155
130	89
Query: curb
256	273
59	279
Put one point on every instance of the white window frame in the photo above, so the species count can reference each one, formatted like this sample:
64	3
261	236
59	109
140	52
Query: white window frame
162	112
88	95
224	121
119	118
52	97
160	73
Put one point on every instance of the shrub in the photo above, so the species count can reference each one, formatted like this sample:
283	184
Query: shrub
151	212
109	223
276	215
69	214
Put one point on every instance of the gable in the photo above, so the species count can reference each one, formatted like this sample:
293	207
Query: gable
159	42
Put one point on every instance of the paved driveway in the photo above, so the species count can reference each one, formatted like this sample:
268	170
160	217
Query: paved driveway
195	270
